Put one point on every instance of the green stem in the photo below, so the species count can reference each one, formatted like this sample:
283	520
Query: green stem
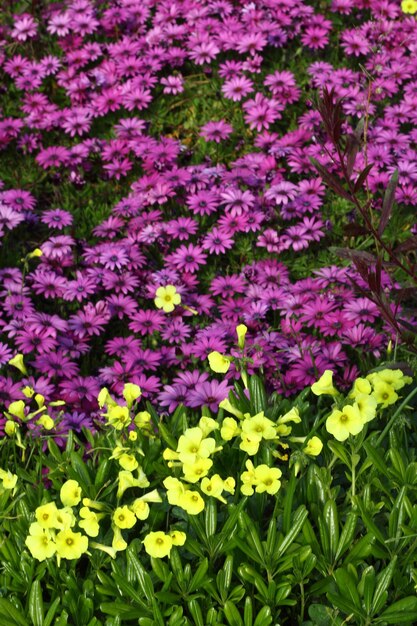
394	417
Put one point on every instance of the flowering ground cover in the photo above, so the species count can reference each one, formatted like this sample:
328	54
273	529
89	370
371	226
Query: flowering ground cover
207	207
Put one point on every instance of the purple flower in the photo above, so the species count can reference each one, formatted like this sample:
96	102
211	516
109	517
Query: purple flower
210	394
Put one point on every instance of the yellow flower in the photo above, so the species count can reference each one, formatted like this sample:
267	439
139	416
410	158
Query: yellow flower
409	6
118	542
324	386
229	485
89	521
249	444
128	462
258	427
46	515
105	399
158	544
131	392
228	406
35	253
64	518
70	493
140	509
367	406
143	419
10	428
178	537
17	409
175	490
70	545
218	363
123	517
192	445
40	542
207	425
127	480
241	331
267	479
118	416
167	298
343	423
133	435
99	546
192	502
46	421
197	470
28	392
17	362
8	479
248	479
360	386
313	446
293	415
214	487
229	429
384	393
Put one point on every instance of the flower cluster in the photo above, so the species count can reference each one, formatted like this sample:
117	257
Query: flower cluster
377	391
197	212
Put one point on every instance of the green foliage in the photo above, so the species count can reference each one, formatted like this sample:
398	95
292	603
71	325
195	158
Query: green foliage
336	542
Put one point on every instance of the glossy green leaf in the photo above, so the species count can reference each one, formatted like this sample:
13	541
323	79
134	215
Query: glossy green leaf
36	604
199	576
402	611
142	576
382	583
10	615
210	517
248	612
347	586
264	617
232	614
196	613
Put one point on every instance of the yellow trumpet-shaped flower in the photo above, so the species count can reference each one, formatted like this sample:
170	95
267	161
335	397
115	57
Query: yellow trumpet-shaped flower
70	493
218	363
324	386
313	447
267	479
241	331
166	298
229	429
17	361
195	471
214	487
178	537
259	427
409	6
131	392
89	522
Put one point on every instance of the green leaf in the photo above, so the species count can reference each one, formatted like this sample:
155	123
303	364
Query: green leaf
264	617
10	615
298	520
36	604
340	451
199	576
51	612
257	393
248	612
196	613
400	612
347	586
366	587
142	576
210	517
383	581
345	605
347	534
362	549
232	614
331	519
